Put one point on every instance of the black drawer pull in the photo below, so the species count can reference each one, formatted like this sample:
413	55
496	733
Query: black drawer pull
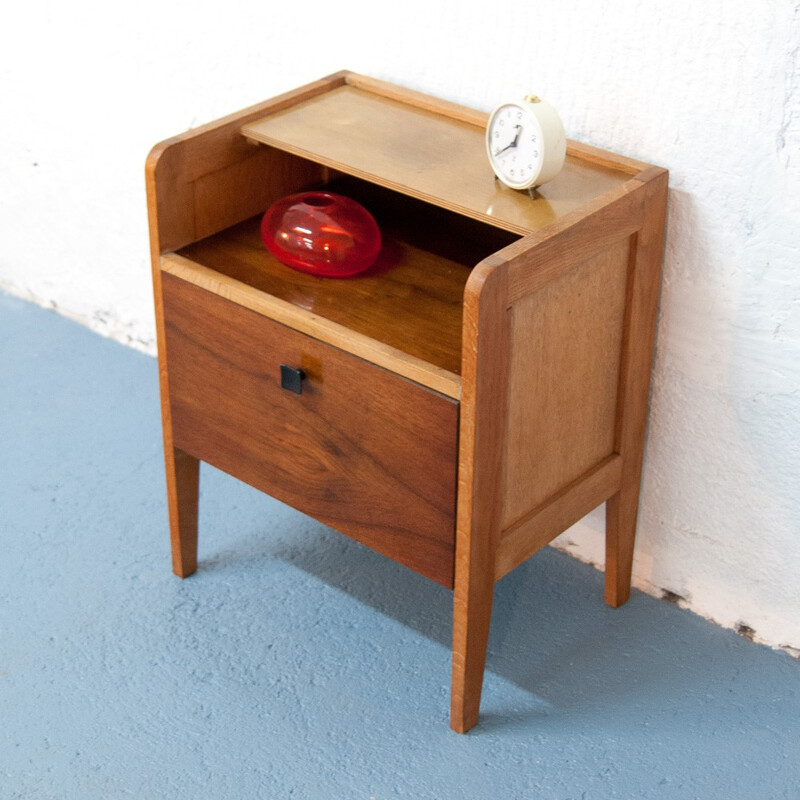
292	379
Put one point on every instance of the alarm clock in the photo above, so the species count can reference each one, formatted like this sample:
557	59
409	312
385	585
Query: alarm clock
525	142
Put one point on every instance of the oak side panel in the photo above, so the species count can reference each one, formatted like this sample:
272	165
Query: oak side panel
210	177
544	255
566	343
362	450
556	514
246	186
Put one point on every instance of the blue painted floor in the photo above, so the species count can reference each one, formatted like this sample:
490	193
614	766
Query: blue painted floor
297	663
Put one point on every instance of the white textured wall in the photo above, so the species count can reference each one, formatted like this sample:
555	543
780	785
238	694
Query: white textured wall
707	89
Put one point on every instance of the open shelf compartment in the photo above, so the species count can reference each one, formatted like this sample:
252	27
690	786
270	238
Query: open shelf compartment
404	313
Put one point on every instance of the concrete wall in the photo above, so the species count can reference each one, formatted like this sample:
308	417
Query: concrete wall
707	89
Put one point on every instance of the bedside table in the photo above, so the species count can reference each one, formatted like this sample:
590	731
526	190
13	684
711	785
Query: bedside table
456	407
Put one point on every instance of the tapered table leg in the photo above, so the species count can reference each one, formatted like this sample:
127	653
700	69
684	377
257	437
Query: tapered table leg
183	483
622	508
482	448
621	513
472	613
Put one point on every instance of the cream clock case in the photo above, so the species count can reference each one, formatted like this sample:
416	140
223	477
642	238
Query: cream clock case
525	142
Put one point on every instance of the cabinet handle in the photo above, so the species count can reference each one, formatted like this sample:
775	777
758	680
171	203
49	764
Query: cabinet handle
292	379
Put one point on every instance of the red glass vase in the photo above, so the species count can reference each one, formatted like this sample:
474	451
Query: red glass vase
321	233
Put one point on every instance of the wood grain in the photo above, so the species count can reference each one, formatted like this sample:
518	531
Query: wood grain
543	256
198	183
605	158
565	361
546	339
415	99
637	357
368	453
210	177
561	510
413	149
410	300
183	486
481	478
311	323
444	108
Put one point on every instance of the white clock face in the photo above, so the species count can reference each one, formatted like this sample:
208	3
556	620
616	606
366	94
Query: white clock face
514	141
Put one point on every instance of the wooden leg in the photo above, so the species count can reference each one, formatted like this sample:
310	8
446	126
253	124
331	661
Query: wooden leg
472	613
644	283
621	513
482	447
183	483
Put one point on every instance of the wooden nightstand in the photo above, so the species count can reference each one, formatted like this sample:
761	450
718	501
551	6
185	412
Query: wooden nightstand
478	391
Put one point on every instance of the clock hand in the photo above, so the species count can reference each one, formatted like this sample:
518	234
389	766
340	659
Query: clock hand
512	143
